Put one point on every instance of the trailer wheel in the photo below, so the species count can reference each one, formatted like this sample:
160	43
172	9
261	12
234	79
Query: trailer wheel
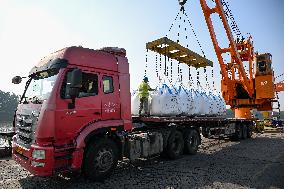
191	141
239	134
100	159
175	145
249	131
245	132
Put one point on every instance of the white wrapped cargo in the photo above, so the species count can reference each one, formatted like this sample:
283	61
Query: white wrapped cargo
179	100
205	102
186	102
213	103
135	103
197	101
164	102
221	105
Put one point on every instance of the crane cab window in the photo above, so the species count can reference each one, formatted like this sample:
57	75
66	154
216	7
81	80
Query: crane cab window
89	85
108	84
262	66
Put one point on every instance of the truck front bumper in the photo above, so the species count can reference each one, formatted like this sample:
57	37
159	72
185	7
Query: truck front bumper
39	167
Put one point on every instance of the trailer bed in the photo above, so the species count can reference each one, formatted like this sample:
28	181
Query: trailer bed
183	119
213	126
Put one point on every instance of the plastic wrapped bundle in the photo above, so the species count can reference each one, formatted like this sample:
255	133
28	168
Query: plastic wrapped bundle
164	102
135	103
179	100
213	104
197	101
221	105
204	104
186	101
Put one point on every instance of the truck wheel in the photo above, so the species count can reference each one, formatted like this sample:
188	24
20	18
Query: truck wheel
245	132
205	132
249	131
191	141
239	133
175	145
100	159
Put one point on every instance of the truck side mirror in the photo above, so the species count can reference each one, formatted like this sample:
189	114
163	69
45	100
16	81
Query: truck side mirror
75	85
17	80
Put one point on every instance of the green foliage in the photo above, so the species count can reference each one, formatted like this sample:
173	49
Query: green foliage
8	105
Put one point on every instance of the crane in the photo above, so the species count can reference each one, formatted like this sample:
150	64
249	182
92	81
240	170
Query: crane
242	90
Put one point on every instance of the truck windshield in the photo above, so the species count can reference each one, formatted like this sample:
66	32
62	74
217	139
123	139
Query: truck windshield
40	87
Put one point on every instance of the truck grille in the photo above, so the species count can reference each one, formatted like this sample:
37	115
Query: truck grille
25	129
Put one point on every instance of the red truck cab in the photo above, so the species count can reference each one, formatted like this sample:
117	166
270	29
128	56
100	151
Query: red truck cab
52	130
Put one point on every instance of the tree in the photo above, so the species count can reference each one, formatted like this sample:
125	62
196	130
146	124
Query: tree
8	105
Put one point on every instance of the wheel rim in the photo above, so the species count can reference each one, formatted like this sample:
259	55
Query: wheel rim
104	160
192	141
245	132
240	133
176	145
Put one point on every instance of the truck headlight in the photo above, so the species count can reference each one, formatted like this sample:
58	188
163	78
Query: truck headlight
38	154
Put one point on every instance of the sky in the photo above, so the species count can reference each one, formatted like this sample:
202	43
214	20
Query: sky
31	29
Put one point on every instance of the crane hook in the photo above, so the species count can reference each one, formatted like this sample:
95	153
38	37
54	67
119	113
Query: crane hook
182	2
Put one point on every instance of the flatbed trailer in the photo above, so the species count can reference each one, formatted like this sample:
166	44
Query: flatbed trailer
211	127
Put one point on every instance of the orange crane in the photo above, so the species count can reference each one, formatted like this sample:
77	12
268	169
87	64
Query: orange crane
241	90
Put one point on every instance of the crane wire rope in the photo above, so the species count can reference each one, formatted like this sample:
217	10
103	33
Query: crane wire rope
229	16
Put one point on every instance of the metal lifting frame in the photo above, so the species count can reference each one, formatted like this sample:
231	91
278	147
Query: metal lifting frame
173	50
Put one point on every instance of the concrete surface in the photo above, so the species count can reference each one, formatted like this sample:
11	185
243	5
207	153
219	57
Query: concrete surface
253	163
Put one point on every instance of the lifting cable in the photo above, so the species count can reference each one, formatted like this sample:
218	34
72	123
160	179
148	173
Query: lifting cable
196	38
173	23
279	76
229	16
146	65
178	40
179	70
157	72
213	81
182	11
199	44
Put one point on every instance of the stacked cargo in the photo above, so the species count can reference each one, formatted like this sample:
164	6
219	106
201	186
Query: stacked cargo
179	100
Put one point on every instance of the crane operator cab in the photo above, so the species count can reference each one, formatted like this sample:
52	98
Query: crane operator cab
264	77
263	64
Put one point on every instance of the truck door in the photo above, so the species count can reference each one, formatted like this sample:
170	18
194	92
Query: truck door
110	97
87	106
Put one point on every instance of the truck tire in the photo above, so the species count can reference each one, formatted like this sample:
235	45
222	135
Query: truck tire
205	132
175	145
245	132
249	131
239	133
191	141
100	159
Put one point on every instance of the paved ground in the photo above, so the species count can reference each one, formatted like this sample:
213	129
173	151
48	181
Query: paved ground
253	163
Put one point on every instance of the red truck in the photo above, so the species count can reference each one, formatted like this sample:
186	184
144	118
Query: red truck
74	115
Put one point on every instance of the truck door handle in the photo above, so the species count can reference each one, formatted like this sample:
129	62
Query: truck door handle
71	112
97	113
